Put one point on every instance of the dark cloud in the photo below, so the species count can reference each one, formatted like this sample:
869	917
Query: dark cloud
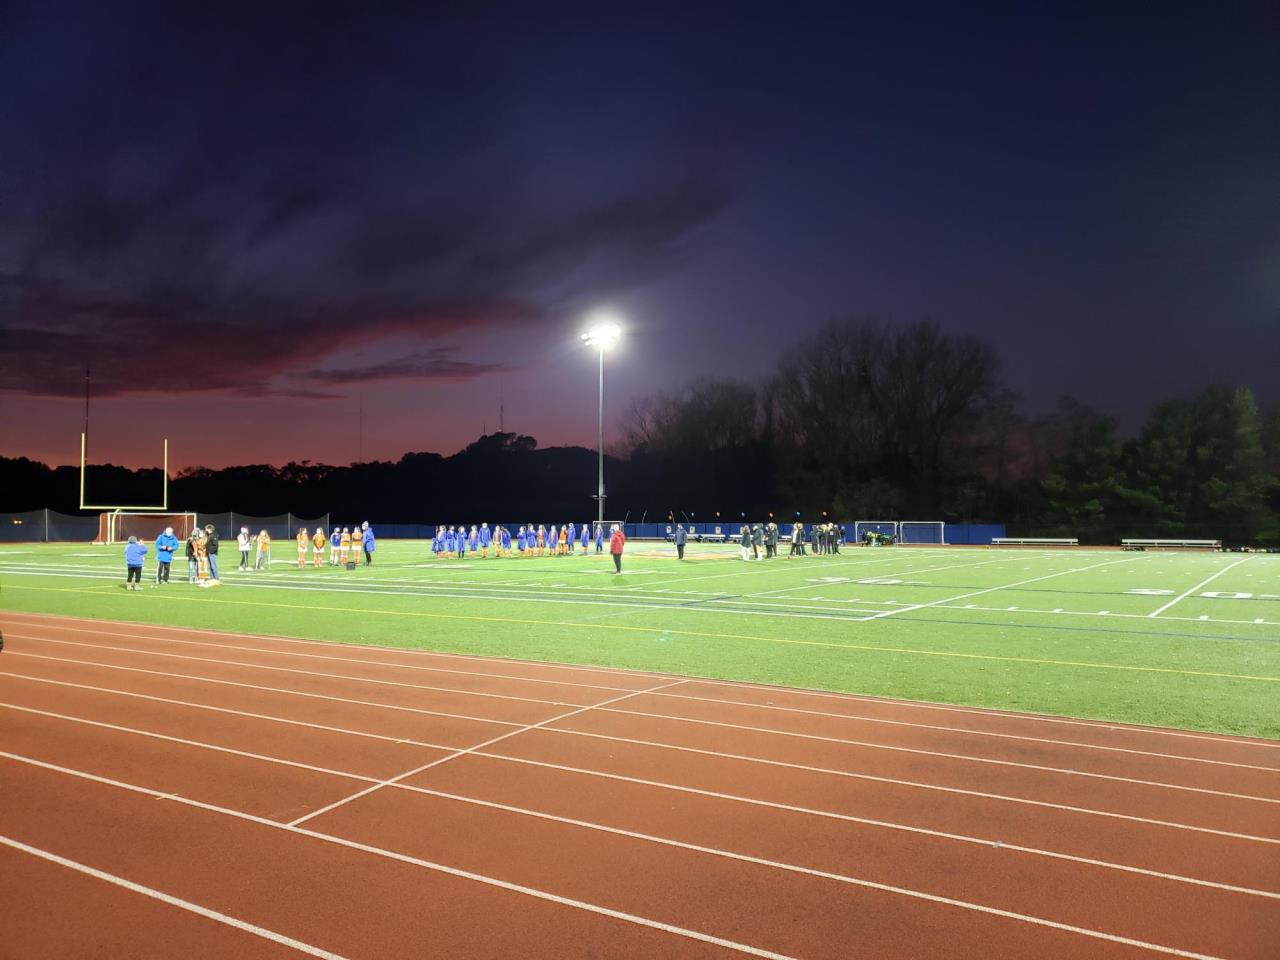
436	364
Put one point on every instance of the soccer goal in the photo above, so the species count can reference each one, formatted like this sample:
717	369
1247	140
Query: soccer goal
117	526
885	528
608	527
922	531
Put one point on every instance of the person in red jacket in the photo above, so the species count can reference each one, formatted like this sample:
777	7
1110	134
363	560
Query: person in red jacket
616	541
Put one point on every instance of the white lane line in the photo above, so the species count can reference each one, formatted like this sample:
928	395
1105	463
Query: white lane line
732	684
462	753
961	730
604	707
948	756
632	918
870	778
1199	586
173	901
427	864
1005	586
790	808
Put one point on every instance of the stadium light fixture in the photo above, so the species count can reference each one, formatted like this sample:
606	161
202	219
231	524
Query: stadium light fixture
603	334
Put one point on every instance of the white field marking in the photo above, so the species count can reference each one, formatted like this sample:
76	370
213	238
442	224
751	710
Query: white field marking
1007	586
173	901
915	570
949	756
463	752
604	707
695	791
1110	614
426	864
870	778
734	684
850	775
493	595
1199	586
734	562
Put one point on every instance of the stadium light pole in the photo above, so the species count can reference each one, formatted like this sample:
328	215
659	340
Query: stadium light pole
602	335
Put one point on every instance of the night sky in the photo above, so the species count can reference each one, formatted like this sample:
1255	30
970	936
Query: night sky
251	224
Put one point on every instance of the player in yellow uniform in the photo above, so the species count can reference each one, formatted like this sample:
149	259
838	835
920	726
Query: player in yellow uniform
303	540
357	543
564	540
318	541
344	547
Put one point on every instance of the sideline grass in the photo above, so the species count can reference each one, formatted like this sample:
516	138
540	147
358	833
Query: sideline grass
1062	632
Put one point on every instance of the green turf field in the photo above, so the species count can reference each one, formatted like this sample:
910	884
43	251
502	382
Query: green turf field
1180	639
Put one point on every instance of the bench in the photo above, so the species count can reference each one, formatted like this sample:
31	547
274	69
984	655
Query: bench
1035	541
1158	543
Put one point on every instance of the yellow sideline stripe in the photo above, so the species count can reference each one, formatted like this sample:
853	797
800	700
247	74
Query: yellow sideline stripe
688	633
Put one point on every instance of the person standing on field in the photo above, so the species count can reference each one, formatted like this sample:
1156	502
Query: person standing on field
370	543
134	552
211	548
264	551
682	537
616	542
318	541
744	532
243	541
303	540
166	543
335	537
191	555
797	539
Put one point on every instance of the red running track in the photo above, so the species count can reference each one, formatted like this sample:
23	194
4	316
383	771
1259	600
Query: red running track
173	792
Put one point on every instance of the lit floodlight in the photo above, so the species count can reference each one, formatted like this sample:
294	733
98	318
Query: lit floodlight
602	335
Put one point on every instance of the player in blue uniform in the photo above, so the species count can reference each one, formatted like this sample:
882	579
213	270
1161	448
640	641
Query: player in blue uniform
600	538
584	539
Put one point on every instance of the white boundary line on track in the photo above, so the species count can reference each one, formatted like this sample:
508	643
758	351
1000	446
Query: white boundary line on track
871	778
542	894
172	900
790	808
63	621
604	707
426	864
463	752
674	696
1198	586
1008	586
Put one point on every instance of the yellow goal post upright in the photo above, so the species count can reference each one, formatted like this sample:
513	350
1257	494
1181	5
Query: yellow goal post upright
116	522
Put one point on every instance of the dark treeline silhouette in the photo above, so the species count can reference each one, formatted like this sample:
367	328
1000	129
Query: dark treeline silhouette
862	420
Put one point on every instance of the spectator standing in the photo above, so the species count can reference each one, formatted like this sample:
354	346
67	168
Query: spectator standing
264	551
134	552
744	533
191	555
771	540
371	543
211	548
166	544
797	539
757	541
682	537
243	541
616	542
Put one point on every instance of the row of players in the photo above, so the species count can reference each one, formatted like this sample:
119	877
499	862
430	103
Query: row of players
529	541
345	546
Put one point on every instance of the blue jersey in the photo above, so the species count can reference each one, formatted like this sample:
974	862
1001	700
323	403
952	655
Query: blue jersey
485	536
474	540
586	535
504	537
451	541
521	539
336	538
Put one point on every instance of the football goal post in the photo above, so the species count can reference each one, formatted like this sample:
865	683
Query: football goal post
922	531
885	528
117	526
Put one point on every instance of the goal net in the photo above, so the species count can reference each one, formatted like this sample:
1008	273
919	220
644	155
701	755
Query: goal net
608	528
118	526
922	531
885	528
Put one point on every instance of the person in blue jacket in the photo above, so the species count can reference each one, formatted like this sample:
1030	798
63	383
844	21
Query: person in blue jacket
461	543
584	541
370	543
335	542
521	540
473	541
504	540
134	552
166	543
486	537
600	538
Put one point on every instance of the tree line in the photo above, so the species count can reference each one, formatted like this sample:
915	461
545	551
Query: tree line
861	421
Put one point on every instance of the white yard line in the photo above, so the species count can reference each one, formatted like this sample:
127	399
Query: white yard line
694	791
1006	586
479	746
729	944
172	901
1199	586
